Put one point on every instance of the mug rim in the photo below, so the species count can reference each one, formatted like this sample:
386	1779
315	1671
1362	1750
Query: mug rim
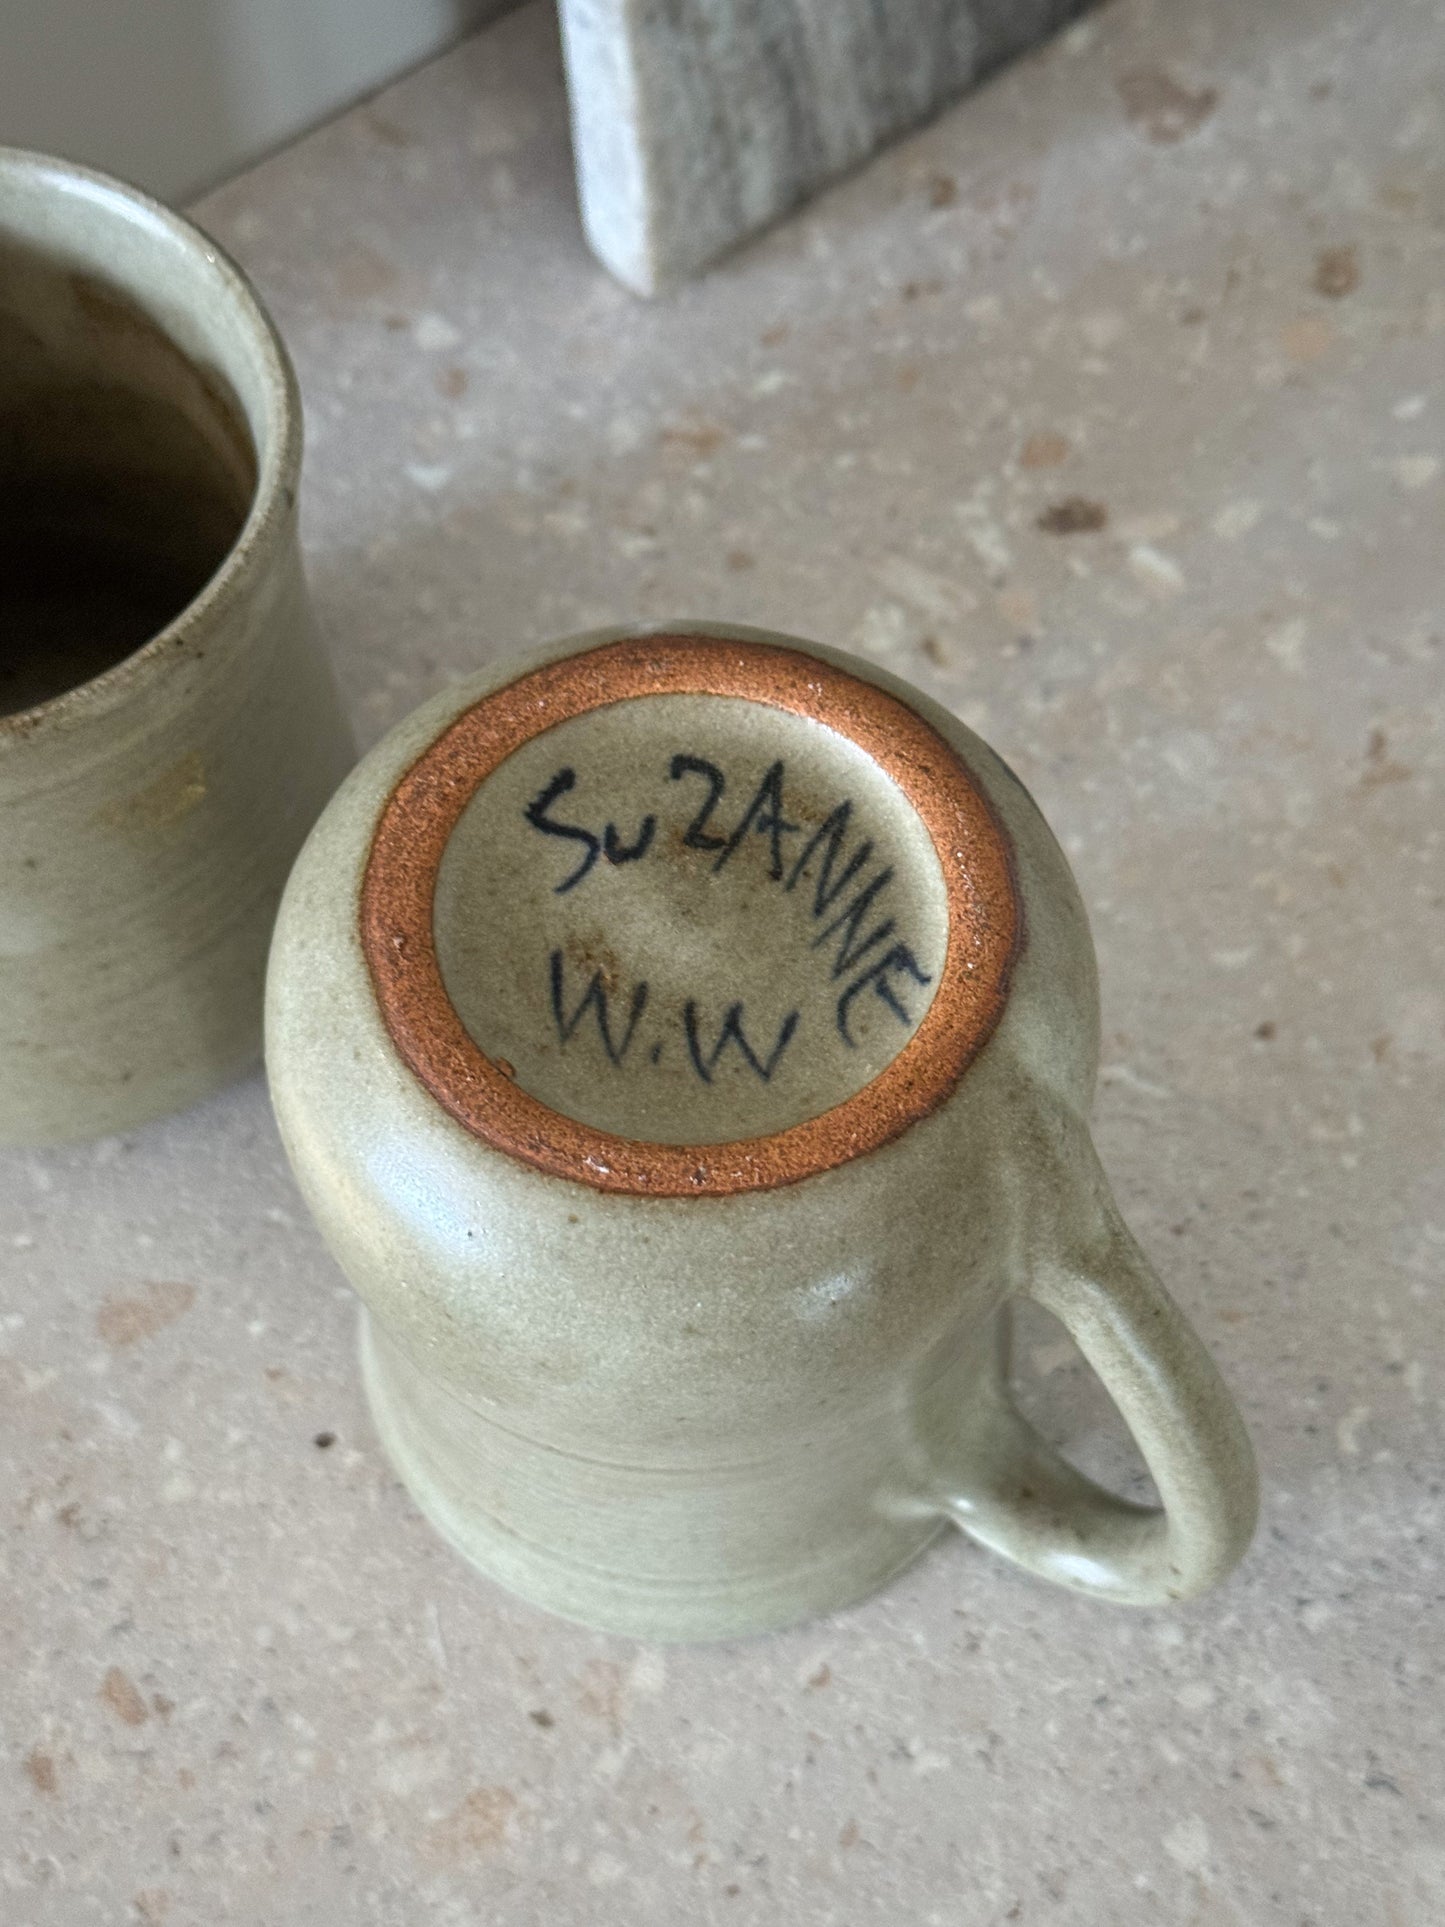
278	447
425	799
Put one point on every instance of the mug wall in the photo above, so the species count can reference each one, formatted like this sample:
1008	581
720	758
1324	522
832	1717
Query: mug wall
169	728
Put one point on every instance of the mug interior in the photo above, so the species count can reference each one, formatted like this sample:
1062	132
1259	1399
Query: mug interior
130	449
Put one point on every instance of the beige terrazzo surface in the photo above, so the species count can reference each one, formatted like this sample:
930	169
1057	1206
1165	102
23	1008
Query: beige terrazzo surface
1112	410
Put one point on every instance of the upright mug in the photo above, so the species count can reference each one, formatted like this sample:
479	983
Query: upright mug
169	728
685	1041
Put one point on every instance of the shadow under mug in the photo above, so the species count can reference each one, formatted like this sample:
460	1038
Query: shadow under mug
169	728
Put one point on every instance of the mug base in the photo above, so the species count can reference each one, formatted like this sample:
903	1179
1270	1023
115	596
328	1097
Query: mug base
635	1606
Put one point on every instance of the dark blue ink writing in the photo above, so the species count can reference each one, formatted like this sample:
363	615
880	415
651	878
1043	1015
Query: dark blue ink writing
763	816
595	998
899	958
610	844
536	815
848	888
695	837
850	922
705	1063
618	852
834	828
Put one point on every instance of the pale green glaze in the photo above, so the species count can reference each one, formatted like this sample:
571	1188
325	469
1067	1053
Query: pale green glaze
152	798
701	1417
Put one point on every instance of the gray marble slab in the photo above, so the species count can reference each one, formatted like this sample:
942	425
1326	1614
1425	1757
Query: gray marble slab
697	122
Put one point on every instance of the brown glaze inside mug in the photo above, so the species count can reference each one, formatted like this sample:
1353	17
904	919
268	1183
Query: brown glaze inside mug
126	475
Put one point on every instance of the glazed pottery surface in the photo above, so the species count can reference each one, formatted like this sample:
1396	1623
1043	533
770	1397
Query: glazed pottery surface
684	1040
169	729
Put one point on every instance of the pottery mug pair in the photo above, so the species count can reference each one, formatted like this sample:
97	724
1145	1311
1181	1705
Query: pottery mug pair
683	1039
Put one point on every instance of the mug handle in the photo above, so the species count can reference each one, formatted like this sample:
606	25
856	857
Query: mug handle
1021	1498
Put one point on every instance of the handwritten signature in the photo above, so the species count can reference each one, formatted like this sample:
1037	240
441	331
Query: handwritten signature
836	871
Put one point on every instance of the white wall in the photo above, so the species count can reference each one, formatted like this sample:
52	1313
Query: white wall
176	94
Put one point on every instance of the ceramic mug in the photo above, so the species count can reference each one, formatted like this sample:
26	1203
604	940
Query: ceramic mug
169	729
684	1041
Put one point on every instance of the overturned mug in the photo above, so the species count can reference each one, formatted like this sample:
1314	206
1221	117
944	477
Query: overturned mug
169	729
684	1041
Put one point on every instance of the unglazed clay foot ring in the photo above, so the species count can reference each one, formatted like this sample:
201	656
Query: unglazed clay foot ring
984	917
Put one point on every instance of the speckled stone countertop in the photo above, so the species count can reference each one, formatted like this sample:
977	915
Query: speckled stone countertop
1112	411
